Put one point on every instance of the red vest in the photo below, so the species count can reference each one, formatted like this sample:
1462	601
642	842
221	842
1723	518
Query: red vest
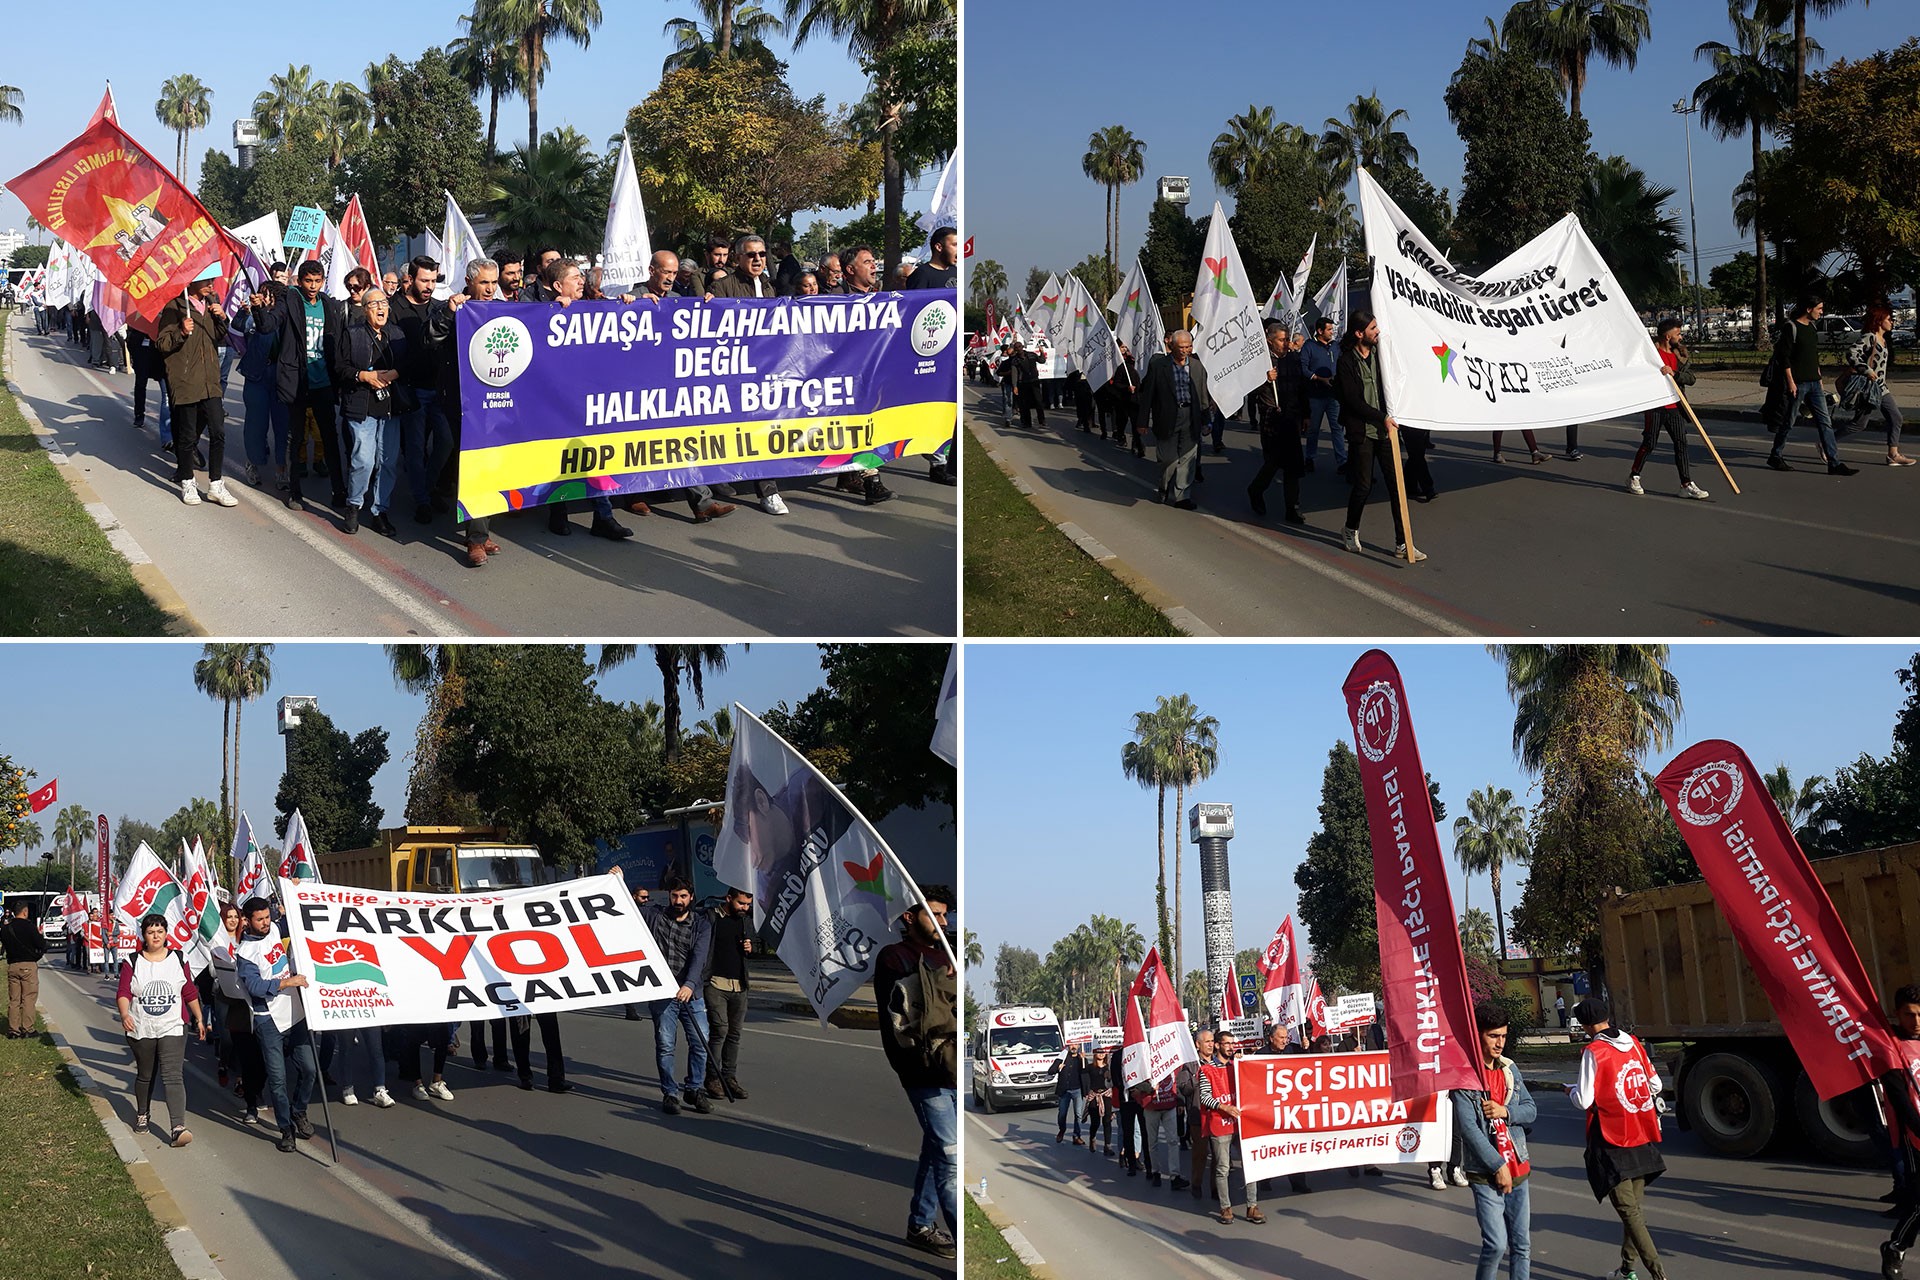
1220	1080
1909	1051
1623	1094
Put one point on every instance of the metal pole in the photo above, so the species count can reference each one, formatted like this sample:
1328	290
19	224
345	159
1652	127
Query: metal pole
1685	111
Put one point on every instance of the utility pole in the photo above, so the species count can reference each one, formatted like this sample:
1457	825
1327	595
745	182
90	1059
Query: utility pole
1685	110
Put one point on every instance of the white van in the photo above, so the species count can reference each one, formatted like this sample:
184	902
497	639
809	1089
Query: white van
1017	1056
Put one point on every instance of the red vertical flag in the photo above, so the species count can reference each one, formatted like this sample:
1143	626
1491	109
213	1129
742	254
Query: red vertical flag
104	195
1168	1041
1230	1007
44	796
1283	991
1423	971
101	883
1781	916
106	110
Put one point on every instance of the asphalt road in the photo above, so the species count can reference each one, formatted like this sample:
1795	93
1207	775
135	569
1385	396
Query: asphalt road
1711	1218
832	567
811	1176
1556	549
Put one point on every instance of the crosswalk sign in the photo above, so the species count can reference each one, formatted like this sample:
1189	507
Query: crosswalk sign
1249	990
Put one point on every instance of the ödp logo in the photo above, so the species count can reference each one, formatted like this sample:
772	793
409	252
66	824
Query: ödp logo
500	351
934	327
1710	793
1376	722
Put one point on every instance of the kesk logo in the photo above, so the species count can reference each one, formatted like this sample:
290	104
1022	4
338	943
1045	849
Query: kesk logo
500	351
345	960
1446	353
934	327
1710	793
871	878
1376	722
1218	266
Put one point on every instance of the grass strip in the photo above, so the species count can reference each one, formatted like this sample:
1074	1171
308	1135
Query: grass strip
58	574
988	1255
1026	578
67	1207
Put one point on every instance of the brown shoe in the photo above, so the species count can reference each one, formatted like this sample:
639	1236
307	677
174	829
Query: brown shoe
638	507
476	555
493	548
713	511
1225	1215
1254	1215
1076	1142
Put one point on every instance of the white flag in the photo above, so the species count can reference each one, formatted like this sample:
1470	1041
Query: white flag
250	869
1545	338
946	718
1136	319
1305	269
1089	340
458	246
826	888
625	252
945	210
301	861
1048	308
438	253
1227	337
210	937
1331	301
148	888
263	233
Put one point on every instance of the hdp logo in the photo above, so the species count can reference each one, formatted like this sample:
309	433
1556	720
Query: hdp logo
934	327
1445	353
345	960
500	351
1218	266
870	878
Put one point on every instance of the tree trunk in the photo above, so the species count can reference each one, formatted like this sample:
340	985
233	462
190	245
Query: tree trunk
668	660
233	815
1759	250
1108	228
533	94
1799	51
493	120
1160	900
1499	912
723	33
226	715
896	192
1575	83
1179	937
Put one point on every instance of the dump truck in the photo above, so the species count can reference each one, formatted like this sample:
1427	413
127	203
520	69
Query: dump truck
438	860
1674	972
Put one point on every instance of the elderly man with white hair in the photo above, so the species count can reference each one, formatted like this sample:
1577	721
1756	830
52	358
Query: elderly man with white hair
1173	402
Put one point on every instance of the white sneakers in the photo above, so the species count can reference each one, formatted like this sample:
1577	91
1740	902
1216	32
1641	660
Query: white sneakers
189	493
439	1090
381	1098
1459	1176
1436	1179
217	492
774	505
419	1091
1635	487
1400	553
348	1100
1692	490
1350	539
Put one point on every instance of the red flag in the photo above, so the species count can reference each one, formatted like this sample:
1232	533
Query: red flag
1169	1042
1316	1009
357	240
991	326
44	796
106	196
969	248
106	110
1423	971
1279	970
1781	916
1133	1047
1230	1007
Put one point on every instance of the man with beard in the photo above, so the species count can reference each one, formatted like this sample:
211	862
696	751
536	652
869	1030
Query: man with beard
727	992
685	938
914	987
1280	410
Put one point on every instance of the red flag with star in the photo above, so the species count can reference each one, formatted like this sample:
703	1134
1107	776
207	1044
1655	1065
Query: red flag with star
44	797
106	196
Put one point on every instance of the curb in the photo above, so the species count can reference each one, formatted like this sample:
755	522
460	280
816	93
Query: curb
1183	619
146	574
844	1018
1016	1240
189	1254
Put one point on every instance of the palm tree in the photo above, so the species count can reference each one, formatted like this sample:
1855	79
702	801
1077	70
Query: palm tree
1563	34
1626	217
345	118
975	955
1492	46
1748	92
988	280
677	662
1366	138
1193	742
1801	806
70	832
436	670
10	100
484	60
378	76
1476	931
1114	159
1776	12
27	836
549	195
291	104
718	726
185	105
1148	761
732	29
871	29
1553	683
1492	833
1248	146
530	25
233	675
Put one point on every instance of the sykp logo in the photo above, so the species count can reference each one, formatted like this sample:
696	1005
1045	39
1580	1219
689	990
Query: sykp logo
345	960
934	327
1376	722
1710	793
1408	1140
500	351
1445	354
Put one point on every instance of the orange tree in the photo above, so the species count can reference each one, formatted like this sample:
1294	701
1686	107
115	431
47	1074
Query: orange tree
13	801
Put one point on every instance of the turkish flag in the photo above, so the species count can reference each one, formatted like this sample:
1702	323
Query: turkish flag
44	796
106	196
969	249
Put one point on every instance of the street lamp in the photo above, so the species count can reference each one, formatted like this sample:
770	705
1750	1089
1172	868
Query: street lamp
1685	109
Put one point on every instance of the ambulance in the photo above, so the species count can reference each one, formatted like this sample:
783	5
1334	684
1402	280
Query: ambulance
1017	1056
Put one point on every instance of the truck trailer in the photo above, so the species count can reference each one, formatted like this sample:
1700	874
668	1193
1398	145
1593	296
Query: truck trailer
438	860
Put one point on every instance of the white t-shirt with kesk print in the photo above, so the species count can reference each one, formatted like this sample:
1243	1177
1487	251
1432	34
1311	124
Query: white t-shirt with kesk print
157	986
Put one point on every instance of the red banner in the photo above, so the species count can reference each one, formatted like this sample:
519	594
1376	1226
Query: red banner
1307	1111
104	195
101	871
1423	971
1780	915
1283	992
44	796
1166	1040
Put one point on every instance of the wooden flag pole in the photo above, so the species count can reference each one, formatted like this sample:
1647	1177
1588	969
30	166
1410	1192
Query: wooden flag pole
1681	397
1400	488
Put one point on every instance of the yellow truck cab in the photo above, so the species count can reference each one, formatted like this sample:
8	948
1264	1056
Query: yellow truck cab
438	860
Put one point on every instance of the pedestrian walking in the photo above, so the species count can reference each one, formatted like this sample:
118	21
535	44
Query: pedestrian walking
916	990
1173	402
1490	1132
685	938
1220	1121
239	1047
1796	363
279	1023
1673	354
1620	1092
727	993
1866	390
1070	1091
192	333
157	999
1371	430
1901	1089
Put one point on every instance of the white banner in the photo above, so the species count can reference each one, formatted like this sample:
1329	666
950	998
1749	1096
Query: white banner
1080	1030
379	958
1300	1112
1108	1037
1350	1011
263	235
1546	338
1227	336
1136	320
625	251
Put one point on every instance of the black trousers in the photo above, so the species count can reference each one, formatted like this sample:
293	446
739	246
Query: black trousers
1671	422
549	1045
144	371
1280	454
479	1048
726	1016
1419	478
1031	402
1363	451
324	402
189	421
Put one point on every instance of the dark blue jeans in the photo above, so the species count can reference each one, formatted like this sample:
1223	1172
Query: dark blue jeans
1504	1229
290	1067
936	1180
1812	394
669	1016
1069	1106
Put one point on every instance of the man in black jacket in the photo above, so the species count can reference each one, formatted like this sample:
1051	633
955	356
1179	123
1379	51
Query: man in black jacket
426	438
24	947
1022	372
1371	431
1070	1089
727	992
1280	411
1173	401
307	325
929	1080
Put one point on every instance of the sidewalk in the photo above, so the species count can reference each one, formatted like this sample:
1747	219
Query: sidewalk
1737	393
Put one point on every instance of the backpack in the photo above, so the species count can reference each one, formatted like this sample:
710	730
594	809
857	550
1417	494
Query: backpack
922	1016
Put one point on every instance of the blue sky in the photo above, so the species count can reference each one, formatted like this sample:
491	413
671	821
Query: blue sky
1041	78
124	730
591	89
1055	833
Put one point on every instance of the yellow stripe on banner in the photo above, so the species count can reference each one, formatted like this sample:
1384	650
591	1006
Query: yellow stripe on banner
488	475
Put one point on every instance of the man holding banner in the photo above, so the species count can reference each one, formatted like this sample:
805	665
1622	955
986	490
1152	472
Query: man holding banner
279	1020
1372	434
